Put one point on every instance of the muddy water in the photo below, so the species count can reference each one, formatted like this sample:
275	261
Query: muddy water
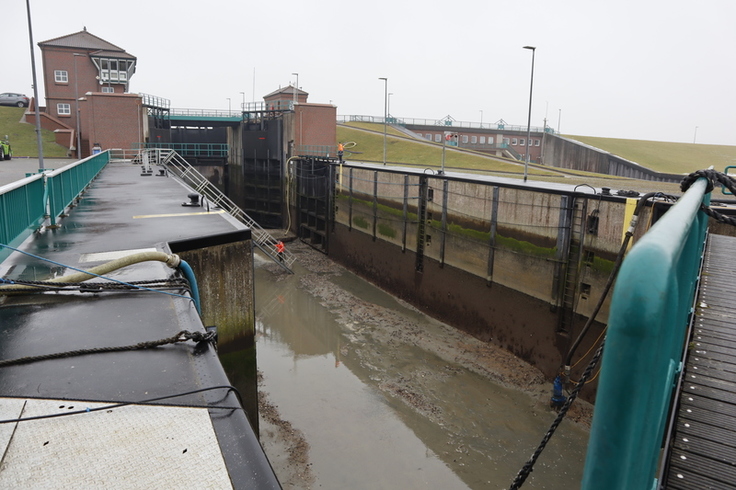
361	391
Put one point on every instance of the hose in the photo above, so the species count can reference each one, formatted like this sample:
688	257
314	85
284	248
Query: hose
172	260
611	278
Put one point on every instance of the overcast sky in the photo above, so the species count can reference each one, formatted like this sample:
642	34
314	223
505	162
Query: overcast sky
641	69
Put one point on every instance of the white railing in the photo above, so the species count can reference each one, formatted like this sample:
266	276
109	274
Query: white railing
175	164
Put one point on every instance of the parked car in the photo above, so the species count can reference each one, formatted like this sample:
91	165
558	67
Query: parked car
9	98
6	153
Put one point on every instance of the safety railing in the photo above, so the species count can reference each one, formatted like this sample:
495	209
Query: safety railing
179	167
22	210
647	326
447	121
25	204
316	150
218	150
67	183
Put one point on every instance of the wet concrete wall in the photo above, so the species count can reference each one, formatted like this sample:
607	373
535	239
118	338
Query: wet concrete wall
495	258
564	153
223	266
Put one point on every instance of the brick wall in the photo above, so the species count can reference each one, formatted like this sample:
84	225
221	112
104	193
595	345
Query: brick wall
112	120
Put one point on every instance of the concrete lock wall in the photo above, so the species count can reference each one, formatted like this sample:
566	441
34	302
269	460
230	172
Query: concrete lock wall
494	258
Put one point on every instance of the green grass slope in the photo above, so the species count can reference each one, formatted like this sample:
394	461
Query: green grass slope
22	136
666	157
401	149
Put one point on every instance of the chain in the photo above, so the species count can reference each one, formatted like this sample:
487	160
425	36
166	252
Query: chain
526	470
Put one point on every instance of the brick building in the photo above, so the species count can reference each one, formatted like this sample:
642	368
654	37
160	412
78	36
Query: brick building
86	81
309	128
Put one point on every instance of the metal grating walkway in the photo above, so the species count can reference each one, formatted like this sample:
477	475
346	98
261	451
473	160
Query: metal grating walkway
703	451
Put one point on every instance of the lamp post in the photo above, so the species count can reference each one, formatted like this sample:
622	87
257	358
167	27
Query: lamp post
529	119
481	118
385	114
228	106
296	87
242	108
695	136
76	107
39	139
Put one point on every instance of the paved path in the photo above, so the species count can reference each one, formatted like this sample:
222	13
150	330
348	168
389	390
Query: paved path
17	168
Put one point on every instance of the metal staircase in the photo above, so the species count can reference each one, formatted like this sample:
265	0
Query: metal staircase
175	164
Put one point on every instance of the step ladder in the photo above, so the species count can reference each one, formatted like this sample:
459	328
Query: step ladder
570	291
170	162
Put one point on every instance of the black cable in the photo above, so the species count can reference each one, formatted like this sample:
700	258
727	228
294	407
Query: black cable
148	401
611	278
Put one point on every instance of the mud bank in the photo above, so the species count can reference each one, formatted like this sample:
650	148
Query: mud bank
479	410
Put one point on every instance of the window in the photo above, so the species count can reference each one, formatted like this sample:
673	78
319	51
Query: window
513	141
428	136
61	76
474	139
522	141
420	135
536	142
64	109
482	140
506	141
465	138
490	140
108	90
438	137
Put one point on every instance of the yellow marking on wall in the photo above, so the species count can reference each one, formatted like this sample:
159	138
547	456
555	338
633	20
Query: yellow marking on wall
176	214
628	214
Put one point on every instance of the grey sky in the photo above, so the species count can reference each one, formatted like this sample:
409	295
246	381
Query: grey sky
650	69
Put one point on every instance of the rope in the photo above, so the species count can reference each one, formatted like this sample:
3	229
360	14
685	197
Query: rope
526	470
714	177
182	336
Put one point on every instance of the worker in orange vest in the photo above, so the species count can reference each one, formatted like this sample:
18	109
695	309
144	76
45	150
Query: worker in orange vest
280	250
340	150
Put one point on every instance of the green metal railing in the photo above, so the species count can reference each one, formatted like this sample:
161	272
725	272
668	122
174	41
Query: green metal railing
647	326
219	150
67	183
22	210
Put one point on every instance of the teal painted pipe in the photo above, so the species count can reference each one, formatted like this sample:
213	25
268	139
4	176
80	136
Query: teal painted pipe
186	269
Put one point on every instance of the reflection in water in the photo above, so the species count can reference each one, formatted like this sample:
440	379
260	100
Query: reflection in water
381	403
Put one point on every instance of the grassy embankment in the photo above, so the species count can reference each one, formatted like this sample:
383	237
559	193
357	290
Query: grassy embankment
676	158
22	136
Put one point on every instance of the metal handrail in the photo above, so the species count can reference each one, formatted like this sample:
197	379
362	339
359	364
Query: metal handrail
444	122
67	183
181	169
647	326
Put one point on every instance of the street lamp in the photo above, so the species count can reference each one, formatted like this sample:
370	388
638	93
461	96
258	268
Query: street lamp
385	114
529	119
76	107
481	118
296	87
228	106
39	139
242	108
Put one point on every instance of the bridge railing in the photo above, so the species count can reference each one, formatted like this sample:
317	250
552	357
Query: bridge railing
67	183
22	210
25	204
647	326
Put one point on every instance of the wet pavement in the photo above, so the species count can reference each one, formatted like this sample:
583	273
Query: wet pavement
361	391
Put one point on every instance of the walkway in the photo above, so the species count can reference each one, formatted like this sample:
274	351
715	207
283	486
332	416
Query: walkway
704	443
